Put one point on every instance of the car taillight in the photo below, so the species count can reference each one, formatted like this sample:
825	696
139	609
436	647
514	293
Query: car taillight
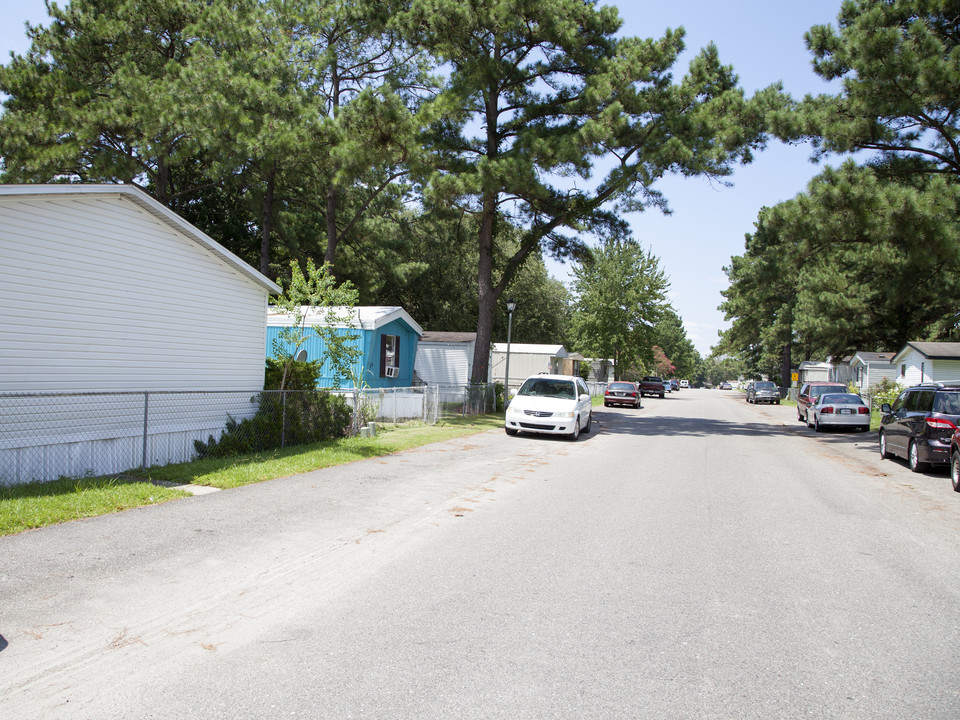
863	411
827	411
941	424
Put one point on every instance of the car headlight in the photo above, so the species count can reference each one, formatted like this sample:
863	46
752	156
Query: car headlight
564	415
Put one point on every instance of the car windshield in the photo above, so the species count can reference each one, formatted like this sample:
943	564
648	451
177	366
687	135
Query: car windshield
544	387
621	386
821	389
848	399
765	386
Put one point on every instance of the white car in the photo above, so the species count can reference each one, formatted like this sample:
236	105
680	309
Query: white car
684	384
552	404
839	410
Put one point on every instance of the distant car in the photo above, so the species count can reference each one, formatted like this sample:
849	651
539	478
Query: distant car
621	393
920	425
675	385
809	393
726	386
763	391
552	404
651	385
667	387
839	410
685	384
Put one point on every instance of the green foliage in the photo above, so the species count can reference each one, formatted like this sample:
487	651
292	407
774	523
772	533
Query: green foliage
857	262
885	391
672	338
901	81
620	296
316	306
298	415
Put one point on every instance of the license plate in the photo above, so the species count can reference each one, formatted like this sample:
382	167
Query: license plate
845	411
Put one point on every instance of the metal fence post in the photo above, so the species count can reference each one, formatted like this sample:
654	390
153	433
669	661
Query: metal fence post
283	423
146	405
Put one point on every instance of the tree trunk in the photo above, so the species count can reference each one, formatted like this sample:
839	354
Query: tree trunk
785	366
266	226
487	295
329	256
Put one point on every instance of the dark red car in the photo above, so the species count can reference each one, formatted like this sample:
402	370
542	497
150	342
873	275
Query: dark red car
621	392
808	395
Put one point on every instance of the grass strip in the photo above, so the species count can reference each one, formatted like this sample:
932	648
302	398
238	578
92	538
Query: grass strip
233	472
34	505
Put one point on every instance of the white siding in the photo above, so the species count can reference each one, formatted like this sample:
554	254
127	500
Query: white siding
877	373
98	294
912	376
522	366
945	371
444	363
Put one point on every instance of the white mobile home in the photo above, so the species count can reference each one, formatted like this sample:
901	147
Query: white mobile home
109	291
920	362
871	368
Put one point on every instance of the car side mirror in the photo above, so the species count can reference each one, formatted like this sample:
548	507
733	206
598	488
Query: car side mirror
885	407
585	396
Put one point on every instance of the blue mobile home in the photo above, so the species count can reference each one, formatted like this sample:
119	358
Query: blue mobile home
385	335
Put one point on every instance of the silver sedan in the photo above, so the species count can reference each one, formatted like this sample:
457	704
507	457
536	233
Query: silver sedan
839	410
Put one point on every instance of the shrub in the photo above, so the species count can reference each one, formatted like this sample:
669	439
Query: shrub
298	415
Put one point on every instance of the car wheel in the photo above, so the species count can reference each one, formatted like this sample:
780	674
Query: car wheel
511	431
913	458
884	453
606	404
778	402
799	416
816	424
586	428
575	433
661	395
955	470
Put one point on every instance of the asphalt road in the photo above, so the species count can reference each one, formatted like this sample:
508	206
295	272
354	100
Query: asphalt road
697	558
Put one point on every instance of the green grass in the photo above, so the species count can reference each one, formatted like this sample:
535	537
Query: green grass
33	505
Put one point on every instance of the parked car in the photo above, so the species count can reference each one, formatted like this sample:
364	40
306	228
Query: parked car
839	410
552	404
621	393
955	460
810	391
726	386
651	385
763	391
675	385
667	387
685	384
749	391
920	424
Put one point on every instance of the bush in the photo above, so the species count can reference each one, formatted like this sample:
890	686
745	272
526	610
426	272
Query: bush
298	415
885	391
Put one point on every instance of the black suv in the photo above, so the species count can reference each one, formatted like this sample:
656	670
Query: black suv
920	424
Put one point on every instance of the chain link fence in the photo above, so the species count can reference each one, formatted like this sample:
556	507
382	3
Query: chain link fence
46	436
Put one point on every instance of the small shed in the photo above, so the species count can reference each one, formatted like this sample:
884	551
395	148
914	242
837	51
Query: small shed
920	362
386	336
446	358
812	371
871	368
525	360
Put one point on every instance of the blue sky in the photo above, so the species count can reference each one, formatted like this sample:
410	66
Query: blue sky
764	43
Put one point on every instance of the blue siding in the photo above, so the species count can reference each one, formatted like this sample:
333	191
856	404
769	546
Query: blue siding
369	364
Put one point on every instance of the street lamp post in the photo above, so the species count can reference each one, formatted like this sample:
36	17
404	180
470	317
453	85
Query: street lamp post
511	306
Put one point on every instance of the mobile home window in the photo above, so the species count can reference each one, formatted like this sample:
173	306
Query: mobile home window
389	353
